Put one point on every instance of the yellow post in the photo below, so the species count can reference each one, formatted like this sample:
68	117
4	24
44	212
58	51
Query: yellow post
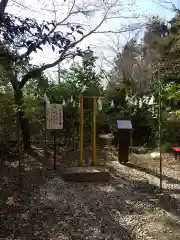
94	131
81	131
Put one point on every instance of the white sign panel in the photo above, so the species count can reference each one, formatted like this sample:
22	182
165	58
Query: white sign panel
54	116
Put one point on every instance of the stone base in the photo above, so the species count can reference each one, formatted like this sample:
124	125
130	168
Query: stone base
86	174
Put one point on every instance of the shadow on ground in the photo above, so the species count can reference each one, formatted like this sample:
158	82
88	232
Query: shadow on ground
167	201
153	173
20	212
52	209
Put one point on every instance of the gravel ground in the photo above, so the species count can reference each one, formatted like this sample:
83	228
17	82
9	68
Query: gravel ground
128	207
125	208
170	171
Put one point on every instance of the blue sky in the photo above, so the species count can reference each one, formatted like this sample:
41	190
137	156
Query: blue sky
154	8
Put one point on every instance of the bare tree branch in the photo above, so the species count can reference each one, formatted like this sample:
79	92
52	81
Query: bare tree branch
109	12
23	7
123	29
39	70
116	46
62	22
30	50
169	5
68	14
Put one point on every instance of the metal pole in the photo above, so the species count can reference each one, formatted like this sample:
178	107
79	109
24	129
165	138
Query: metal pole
94	130
45	133
130	111
81	131
55	19
18	149
59	74
160	133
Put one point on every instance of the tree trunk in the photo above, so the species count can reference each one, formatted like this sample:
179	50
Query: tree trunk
23	121
3	5
25	130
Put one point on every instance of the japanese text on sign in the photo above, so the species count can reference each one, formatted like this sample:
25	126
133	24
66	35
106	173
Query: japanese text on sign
54	116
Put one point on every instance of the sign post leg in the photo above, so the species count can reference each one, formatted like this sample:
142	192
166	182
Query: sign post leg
55	149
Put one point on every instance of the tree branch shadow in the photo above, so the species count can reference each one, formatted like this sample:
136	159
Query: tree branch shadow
57	217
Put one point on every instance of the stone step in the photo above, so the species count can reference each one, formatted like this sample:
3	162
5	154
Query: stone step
86	174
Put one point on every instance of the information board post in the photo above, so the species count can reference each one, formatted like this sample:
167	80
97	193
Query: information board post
55	149
124	128
54	121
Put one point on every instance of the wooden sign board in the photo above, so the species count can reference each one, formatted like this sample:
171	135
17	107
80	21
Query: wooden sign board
54	116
